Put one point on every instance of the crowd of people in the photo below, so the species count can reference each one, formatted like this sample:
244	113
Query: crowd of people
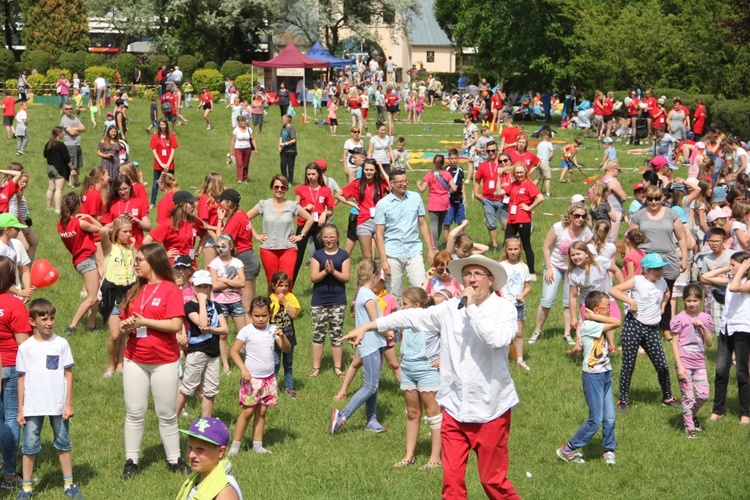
167	285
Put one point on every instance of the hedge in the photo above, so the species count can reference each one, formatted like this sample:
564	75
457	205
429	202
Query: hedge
93	60
74	62
36	59
36	82
103	71
7	64
232	69
210	78
155	63
188	64
732	116
449	79
54	73
245	84
211	65
125	63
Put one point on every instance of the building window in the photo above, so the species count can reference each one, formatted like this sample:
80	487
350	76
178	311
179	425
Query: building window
431	56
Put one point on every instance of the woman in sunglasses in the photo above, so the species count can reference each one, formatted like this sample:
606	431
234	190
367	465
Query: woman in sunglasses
355	141
572	228
278	249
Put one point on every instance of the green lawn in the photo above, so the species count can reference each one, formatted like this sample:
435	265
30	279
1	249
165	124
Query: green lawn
654	458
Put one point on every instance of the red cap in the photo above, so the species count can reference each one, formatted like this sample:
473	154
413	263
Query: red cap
638	185
321	163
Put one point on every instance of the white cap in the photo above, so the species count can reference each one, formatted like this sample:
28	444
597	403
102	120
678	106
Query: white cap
577	198
201	277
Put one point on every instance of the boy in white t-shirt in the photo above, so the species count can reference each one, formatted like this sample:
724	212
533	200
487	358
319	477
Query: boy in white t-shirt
545	151
45	388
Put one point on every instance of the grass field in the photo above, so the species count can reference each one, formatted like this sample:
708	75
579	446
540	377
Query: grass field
655	460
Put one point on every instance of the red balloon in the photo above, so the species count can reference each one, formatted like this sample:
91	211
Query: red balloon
43	274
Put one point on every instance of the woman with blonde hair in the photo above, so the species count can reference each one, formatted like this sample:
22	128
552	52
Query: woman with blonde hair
208	211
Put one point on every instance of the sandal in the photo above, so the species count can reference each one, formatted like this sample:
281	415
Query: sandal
338	372
404	463
431	465
314	373
108	374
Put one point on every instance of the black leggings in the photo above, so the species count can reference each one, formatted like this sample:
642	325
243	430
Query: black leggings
287	166
666	318
634	334
302	245
524	232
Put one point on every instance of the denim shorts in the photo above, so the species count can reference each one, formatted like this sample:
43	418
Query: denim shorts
86	266
367	228
251	263
419	376
549	292
456	213
521	311
494	210
32	443
234	309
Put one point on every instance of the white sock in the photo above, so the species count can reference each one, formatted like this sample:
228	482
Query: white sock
235	448
519	359
258	447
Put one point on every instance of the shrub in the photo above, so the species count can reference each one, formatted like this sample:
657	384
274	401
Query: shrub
125	64
232	69
12	84
93	60
36	59
245	84
188	64
155	63
211	65
54	73
215	95
74	62
210	78
38	83
103	71
733	117
7	64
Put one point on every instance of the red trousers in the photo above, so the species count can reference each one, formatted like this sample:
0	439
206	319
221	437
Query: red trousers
279	260
242	156
490	442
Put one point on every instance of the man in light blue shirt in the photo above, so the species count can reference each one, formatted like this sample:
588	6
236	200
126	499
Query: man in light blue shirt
399	217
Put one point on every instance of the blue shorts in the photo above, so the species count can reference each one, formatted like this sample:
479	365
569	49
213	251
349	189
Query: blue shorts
566	164
234	309
456	214
419	376
32	432
494	210
521	310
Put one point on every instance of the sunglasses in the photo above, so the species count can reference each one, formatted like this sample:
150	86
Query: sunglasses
442	270
505	161
280	188
492	150
650	198
579	216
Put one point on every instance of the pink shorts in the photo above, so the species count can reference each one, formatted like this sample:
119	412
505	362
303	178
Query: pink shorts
614	309
262	391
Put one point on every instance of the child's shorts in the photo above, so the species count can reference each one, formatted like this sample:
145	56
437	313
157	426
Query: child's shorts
567	164
521	310
419	376
334	122
86	266
264	391
32	443
316	104
234	309
544	172
201	367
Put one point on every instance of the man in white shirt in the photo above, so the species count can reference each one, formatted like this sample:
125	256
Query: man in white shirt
177	75
476	390
100	87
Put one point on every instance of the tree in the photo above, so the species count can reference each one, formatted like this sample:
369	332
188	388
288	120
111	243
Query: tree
55	26
10	13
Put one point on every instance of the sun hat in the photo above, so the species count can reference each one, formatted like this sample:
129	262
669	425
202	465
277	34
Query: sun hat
577	198
209	429
653	261
716	213
10	220
456	268
201	277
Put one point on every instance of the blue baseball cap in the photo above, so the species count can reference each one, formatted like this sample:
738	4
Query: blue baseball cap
653	261
209	429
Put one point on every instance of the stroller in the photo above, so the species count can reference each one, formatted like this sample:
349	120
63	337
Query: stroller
641	130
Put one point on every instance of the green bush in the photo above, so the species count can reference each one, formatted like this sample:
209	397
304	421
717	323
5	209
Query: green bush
188	64
732	117
247	68
215	95
210	78
103	71
7	63
12	84
245	84
155	63
140	90
74	62
93	60
39	59
54	73
232	69
125	63
211	65
38	83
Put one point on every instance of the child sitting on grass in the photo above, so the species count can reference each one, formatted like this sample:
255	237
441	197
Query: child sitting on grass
597	381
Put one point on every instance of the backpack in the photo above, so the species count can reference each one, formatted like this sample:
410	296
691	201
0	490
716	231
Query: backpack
166	106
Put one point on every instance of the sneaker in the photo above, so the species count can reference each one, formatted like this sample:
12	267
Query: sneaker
374	426
129	470
532	277
534	337
609	458
291	393
69	330
691	434
673	402
337	422
522	364
12	484
72	491
572	457
622	407
697	424
24	495
180	467
569	340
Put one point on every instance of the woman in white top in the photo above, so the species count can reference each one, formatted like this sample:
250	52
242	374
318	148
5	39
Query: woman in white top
380	148
350	170
243	143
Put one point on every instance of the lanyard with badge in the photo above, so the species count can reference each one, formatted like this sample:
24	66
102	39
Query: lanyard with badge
315	201
141	331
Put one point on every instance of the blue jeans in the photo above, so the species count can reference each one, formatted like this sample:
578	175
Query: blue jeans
597	387
155	186
32	443
549	292
9	428
494	211
288	358
368	394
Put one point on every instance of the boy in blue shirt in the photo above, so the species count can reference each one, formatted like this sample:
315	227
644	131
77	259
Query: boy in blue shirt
597	381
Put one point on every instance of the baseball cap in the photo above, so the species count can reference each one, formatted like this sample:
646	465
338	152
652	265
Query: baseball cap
10	220
358	151
109	113
201	277
209	429
716	213
653	261
608	139
184	197
690	136
577	198
637	186
229	195
183	261
321	163
720	194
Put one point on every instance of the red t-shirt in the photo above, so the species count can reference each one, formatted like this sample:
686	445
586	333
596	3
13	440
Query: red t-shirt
239	227
321	198
598	108
653	107
14	318
161	300
497	101
135	206
206	97
510	134
168	97
140	192
9	110
355	103
528	159
93	205
699	120
520	192
487	174
6	193
391	100
164	207
182	240
79	243
367	203
633	107
660	120
607	109
207	210
163	147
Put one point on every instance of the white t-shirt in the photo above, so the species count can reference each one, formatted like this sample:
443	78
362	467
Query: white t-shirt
518	275
604	259
544	151
350	144
594	282
242	139
227	295
737	158
736	245
7	251
380	149
563	239
100	83
21	260
43	365
648	296
259	346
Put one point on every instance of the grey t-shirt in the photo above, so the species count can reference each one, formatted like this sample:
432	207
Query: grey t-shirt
482	144
73	121
660	238
278	227
287	134
710	262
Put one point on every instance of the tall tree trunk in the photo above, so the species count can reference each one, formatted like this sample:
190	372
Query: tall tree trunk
10	27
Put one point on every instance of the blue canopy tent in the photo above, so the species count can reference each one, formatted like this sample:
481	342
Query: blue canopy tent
318	52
